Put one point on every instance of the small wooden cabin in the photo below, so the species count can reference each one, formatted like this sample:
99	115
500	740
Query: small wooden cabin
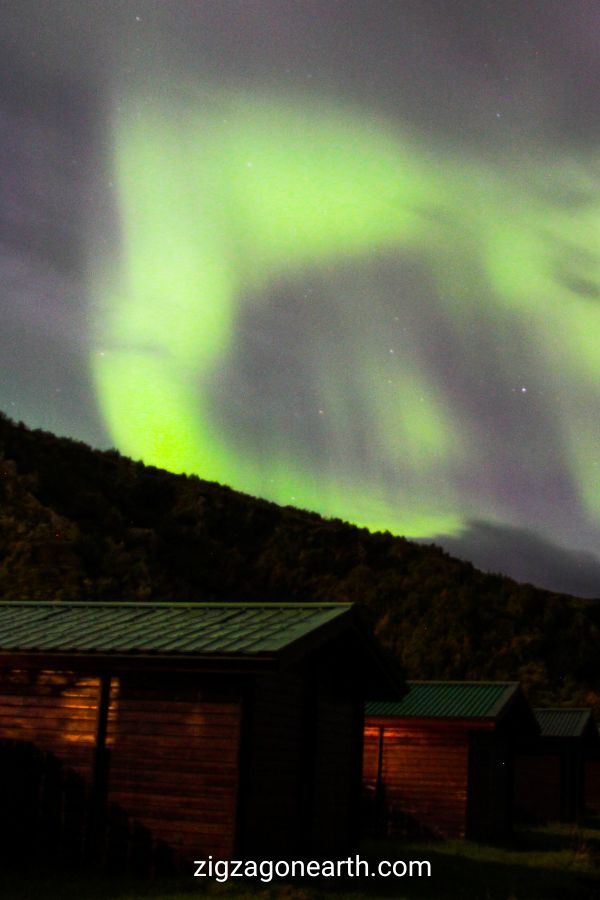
438	762
212	728
549	784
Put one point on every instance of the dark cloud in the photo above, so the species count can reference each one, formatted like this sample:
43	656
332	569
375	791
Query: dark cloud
526	556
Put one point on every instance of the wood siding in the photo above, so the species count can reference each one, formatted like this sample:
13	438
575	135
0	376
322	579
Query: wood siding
550	780
337	768
171	761
302	767
489	805
537	783
201	764
425	775
592	786
275	793
174	764
55	711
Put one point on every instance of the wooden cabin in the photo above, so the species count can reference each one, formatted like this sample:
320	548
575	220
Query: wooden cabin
549	784
438	762
205	728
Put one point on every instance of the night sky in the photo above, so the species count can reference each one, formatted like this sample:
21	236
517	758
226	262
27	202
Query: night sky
342	255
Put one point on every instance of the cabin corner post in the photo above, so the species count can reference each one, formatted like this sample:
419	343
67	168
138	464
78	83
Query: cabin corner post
100	767
380	810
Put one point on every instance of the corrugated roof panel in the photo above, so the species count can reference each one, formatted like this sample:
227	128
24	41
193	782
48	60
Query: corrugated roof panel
448	699
173	628
562	722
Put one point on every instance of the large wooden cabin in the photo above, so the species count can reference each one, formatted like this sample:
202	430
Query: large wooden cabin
212	729
549	783
438	762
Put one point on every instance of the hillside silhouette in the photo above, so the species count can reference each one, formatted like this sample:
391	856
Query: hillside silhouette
81	524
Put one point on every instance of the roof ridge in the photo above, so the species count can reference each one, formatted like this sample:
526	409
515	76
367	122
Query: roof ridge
459	682
178	604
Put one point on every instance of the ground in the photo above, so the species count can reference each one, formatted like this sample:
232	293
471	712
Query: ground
551	863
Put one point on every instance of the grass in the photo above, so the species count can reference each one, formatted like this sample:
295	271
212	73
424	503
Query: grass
551	863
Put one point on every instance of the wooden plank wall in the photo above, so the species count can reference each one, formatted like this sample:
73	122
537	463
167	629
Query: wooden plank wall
174	763
425	770
275	798
489	806
536	787
56	711
337	772
370	755
592	786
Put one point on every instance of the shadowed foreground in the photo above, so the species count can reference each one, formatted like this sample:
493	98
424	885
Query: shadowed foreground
552	863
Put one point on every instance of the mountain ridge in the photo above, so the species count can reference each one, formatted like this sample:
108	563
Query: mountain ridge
84	524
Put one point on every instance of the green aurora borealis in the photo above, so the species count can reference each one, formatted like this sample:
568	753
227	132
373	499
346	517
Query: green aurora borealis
221	200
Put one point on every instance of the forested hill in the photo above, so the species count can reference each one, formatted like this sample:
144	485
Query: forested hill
79	524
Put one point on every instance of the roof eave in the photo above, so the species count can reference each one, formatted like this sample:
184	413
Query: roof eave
149	662
453	720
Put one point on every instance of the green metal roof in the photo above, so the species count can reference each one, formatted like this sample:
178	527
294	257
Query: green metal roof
448	699
563	722
171	629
